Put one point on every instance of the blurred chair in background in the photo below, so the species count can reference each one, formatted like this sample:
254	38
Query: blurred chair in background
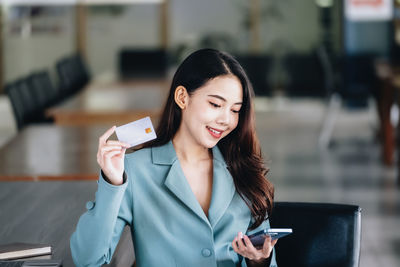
359	80
28	99
16	103
323	234
331	85
349	83
38	93
31	96
27	102
305	76
257	67
73	74
65	77
44	92
81	72
142	63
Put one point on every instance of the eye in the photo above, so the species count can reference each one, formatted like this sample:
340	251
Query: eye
236	111
214	105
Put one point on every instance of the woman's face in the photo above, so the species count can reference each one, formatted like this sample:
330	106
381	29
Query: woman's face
212	111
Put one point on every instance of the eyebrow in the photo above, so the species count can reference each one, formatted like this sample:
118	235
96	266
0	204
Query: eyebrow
223	99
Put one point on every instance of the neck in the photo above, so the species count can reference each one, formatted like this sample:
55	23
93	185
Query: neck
189	152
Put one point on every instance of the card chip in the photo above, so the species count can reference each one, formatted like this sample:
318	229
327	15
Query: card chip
148	130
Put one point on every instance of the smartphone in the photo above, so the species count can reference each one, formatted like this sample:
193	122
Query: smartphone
258	238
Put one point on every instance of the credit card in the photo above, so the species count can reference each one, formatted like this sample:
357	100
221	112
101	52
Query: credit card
136	132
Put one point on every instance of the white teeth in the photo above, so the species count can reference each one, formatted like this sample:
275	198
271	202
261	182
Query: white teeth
214	131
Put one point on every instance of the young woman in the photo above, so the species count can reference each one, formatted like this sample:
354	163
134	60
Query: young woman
193	195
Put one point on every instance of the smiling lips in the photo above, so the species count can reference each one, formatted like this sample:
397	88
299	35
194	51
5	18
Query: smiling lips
214	132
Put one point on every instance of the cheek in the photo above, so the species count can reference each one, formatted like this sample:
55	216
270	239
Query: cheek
235	121
208	115
233	124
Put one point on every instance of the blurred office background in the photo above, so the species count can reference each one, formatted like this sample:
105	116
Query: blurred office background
325	75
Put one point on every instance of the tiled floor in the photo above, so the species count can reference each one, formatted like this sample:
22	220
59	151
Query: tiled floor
348	172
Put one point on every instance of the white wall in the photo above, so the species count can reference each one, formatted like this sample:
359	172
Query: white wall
26	53
138	26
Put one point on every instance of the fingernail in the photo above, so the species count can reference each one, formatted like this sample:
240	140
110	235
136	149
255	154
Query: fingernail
240	234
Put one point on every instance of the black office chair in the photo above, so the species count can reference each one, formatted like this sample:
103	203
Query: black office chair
257	68
349	82
80	71
26	105
65	78
45	93
305	76
16	103
142	63
324	235
73	74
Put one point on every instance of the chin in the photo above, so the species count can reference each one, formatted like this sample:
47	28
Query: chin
209	143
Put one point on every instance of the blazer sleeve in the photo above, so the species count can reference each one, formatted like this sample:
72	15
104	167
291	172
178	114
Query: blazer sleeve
100	227
262	226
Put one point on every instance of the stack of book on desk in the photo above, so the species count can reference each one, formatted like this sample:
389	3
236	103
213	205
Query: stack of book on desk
27	255
26	251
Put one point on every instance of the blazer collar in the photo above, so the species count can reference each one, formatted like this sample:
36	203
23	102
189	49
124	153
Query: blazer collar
223	188
166	155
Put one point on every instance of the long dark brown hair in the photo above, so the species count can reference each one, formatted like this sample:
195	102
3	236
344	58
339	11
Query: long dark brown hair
240	148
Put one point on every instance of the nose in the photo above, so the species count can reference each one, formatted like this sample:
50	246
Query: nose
224	117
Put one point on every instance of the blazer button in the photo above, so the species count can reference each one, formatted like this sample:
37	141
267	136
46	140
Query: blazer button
89	205
206	252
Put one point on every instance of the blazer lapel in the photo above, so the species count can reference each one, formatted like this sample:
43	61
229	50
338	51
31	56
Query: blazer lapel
176	181
223	188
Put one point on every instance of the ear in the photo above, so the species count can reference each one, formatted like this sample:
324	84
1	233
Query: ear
181	96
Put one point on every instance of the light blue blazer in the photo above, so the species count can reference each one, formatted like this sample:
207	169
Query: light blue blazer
169	227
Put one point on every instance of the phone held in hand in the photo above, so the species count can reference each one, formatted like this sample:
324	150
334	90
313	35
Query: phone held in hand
258	238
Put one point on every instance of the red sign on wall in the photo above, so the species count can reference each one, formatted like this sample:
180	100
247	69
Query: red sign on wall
368	10
367	2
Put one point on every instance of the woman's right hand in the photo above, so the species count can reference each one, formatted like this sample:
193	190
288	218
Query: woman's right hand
110	157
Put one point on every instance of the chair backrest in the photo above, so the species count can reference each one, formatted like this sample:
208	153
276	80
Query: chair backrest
72	73
305	77
324	235
17	105
359	79
328	70
257	68
142	63
22	101
39	94
65	78
45	93
27	96
80	71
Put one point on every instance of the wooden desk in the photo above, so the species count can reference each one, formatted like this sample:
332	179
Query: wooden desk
62	162
43	212
51	152
116	103
47	213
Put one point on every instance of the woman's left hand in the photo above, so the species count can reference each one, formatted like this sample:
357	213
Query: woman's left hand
243	246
